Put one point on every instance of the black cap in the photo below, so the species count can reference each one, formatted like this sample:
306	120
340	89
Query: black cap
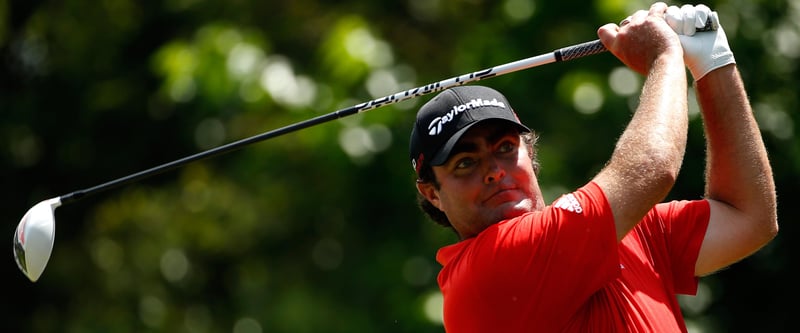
446	117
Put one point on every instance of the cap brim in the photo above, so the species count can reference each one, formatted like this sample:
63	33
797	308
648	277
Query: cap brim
441	156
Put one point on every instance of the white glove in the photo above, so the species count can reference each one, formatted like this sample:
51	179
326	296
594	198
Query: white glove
703	51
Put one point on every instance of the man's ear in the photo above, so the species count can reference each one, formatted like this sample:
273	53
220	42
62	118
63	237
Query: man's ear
429	191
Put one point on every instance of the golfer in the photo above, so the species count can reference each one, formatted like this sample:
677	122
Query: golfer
610	256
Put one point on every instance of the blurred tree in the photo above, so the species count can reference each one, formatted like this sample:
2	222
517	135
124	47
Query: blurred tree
317	231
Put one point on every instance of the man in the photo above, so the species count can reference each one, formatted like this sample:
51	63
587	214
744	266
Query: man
609	257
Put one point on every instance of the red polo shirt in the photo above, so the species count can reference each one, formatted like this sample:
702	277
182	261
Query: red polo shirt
562	270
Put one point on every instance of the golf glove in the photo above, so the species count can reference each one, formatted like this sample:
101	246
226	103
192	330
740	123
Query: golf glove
703	51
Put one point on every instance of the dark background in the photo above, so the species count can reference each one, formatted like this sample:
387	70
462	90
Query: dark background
317	231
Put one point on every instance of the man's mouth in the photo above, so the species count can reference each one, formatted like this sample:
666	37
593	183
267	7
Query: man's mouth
504	195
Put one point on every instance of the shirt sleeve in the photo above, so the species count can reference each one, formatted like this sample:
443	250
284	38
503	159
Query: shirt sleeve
684	224
671	234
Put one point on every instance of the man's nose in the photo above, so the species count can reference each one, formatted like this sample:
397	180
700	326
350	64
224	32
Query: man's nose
494	172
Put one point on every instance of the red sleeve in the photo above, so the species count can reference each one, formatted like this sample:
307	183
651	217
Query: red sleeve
684	224
671	234
537	268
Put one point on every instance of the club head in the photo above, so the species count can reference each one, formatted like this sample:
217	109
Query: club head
33	240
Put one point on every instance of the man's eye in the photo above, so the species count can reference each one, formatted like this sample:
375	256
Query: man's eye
506	147
465	163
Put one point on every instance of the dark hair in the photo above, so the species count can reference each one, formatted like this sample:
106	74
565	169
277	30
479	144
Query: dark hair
426	175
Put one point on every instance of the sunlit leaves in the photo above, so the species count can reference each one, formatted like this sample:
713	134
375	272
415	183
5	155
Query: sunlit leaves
519	10
583	90
211	64
177	62
351	50
285	86
624	81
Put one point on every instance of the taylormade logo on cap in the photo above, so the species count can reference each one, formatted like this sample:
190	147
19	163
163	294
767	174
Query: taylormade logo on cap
435	127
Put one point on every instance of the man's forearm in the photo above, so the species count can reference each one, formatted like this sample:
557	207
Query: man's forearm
649	153
738	171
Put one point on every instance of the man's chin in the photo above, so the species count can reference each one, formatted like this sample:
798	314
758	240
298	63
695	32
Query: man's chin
517	208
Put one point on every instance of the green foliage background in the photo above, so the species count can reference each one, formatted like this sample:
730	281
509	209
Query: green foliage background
317	231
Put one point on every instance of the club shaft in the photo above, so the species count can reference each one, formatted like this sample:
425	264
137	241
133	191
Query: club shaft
563	54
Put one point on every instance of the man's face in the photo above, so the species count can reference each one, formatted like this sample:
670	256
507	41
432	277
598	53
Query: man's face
488	178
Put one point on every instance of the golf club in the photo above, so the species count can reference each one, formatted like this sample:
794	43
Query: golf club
35	234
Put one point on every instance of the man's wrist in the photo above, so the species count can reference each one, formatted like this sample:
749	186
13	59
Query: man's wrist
718	75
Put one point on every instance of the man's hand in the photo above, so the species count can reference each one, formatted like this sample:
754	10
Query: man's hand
642	38
703	51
